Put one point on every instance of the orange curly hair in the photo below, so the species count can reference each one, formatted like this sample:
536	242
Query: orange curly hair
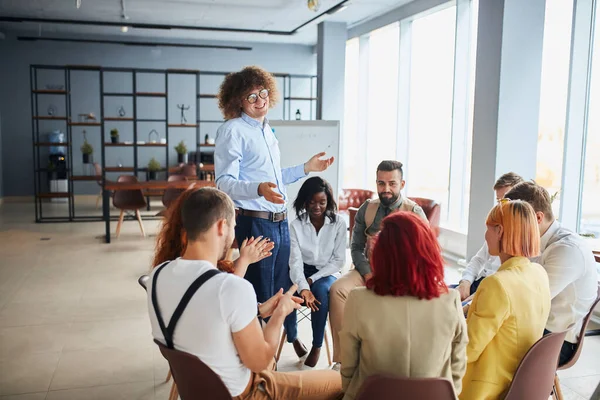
172	241
238	84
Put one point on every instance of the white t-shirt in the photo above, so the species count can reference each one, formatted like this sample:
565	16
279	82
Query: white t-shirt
223	305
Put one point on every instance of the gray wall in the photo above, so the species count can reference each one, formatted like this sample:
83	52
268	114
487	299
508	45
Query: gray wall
15	100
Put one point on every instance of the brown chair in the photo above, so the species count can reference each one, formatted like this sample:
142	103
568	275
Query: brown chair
577	353
385	387
171	195
194	379
534	377
143	281
132	200
190	171
431	209
353	198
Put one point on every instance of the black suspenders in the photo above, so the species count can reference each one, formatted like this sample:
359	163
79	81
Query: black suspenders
169	330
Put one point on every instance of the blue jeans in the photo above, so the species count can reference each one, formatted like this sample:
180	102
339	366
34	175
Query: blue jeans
320	289
272	273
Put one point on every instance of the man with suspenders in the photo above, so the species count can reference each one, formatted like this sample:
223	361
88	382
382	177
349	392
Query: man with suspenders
366	226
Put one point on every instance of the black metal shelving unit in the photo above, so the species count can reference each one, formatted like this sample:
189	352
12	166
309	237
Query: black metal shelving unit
42	191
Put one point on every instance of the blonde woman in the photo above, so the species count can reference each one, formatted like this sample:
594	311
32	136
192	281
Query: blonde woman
510	308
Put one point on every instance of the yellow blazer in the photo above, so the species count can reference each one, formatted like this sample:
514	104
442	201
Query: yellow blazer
507	316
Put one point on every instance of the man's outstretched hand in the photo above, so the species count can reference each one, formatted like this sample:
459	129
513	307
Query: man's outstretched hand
265	190
315	164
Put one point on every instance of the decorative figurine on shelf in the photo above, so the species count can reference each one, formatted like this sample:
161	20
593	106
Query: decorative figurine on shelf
153	168
90	117
86	149
121	111
182	154
51	110
298	115
153	132
206	138
183	109
114	135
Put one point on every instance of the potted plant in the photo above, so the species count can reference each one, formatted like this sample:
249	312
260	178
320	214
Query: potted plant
153	168
182	153
114	135
87	151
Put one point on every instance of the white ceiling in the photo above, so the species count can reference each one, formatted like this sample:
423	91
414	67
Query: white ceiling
273	15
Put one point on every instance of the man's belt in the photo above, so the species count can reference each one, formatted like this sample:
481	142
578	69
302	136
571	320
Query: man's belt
270	216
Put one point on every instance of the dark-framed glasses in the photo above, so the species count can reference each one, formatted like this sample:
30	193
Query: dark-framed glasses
263	94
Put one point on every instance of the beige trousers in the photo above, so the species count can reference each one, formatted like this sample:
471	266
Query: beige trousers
337	301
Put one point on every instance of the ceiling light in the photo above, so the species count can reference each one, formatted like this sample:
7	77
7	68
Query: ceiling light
313	5
124	29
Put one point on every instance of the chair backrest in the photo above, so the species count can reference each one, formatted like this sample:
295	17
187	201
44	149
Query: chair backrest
189	170
432	210
98	172
353	198
586	321
194	379
534	377
171	195
385	387
129	199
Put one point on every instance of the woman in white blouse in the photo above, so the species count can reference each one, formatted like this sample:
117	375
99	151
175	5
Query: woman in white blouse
318	253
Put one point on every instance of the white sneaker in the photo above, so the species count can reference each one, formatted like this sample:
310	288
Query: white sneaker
336	366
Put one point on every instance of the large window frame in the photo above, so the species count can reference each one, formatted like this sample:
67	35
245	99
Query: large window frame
462	100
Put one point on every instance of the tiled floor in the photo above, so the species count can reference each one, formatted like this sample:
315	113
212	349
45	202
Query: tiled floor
74	324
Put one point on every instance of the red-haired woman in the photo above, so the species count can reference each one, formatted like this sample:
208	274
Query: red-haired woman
405	322
171	242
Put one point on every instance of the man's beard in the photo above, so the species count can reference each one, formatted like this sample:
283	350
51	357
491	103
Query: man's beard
388	201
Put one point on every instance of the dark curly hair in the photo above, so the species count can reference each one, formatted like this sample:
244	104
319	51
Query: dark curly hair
309	188
238	84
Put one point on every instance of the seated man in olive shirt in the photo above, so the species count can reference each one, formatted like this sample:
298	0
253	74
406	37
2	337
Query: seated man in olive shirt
366	226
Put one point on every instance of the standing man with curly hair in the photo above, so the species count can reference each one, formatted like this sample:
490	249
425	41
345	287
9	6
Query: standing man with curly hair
248	169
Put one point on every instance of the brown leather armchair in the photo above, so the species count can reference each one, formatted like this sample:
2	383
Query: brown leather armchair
353	198
431	208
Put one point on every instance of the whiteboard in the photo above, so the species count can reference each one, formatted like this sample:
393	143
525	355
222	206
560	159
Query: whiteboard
299	141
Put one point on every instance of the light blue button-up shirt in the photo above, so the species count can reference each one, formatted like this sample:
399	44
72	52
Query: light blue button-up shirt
247	154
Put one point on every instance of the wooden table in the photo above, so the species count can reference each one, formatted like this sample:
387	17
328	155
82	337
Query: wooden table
144	186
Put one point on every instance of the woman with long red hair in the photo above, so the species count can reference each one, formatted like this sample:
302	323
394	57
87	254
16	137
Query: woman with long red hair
405	322
171	241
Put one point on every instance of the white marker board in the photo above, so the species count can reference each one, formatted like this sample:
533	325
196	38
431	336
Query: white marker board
299	141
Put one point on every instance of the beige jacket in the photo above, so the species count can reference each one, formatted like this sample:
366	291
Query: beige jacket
402	336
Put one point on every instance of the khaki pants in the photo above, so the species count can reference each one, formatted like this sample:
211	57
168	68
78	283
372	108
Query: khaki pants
337	301
297	385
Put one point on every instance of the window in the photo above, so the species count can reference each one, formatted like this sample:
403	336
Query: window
590	195
409	96
352	175
554	96
430	109
382	98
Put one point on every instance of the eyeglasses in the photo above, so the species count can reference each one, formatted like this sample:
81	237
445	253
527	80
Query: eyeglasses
263	94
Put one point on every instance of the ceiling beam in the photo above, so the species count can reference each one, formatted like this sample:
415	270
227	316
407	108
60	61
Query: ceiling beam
133	43
340	5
